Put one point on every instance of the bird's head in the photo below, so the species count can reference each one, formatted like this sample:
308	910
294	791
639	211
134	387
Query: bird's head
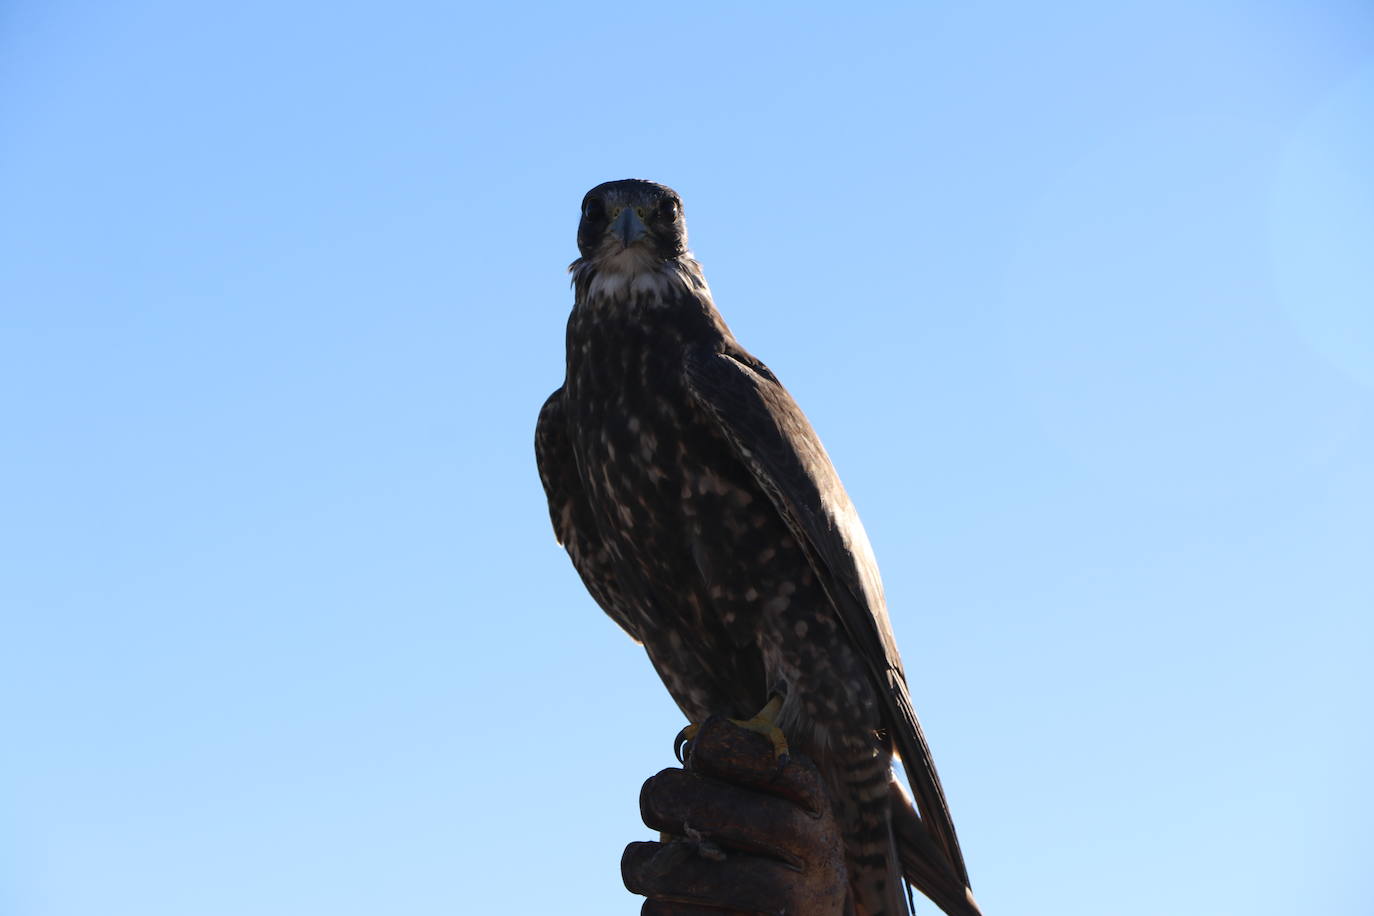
631	221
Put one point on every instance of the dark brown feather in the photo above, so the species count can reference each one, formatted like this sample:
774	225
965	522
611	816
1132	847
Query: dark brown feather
778	444
704	516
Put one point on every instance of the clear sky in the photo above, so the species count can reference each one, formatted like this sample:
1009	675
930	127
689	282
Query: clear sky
1080	297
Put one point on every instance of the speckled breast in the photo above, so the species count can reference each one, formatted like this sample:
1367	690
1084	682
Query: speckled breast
670	500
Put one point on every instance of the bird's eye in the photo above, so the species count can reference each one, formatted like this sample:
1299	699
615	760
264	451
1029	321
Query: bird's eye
668	208
593	208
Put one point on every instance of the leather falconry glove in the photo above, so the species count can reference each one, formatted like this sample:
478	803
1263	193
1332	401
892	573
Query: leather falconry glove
743	833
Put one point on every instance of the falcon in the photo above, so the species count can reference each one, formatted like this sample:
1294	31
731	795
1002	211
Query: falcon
704	516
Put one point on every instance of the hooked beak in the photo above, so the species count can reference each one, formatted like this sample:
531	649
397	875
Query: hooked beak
628	227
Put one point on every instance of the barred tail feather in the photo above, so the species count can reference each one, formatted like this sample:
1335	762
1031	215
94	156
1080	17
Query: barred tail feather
875	870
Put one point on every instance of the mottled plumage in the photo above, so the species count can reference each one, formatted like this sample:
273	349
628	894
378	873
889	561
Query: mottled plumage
704	516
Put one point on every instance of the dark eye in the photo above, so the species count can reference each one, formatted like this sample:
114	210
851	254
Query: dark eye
668	208
593	208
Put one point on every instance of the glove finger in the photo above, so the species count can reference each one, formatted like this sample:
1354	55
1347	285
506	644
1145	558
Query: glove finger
673	873
737	755
736	818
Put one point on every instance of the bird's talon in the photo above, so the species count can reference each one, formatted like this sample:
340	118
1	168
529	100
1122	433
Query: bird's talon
684	738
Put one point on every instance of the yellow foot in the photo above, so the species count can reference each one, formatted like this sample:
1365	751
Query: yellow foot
766	724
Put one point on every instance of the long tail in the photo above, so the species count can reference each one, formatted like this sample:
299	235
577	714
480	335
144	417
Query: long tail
923	862
871	849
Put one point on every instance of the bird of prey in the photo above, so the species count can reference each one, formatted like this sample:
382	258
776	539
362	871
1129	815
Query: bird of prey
704	516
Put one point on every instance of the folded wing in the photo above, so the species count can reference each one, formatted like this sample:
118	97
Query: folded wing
774	439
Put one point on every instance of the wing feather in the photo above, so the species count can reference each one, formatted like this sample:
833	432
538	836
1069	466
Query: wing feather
574	524
775	440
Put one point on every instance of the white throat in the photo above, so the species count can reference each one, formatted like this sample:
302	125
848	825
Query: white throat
635	275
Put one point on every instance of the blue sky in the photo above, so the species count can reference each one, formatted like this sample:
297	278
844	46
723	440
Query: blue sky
1080	298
